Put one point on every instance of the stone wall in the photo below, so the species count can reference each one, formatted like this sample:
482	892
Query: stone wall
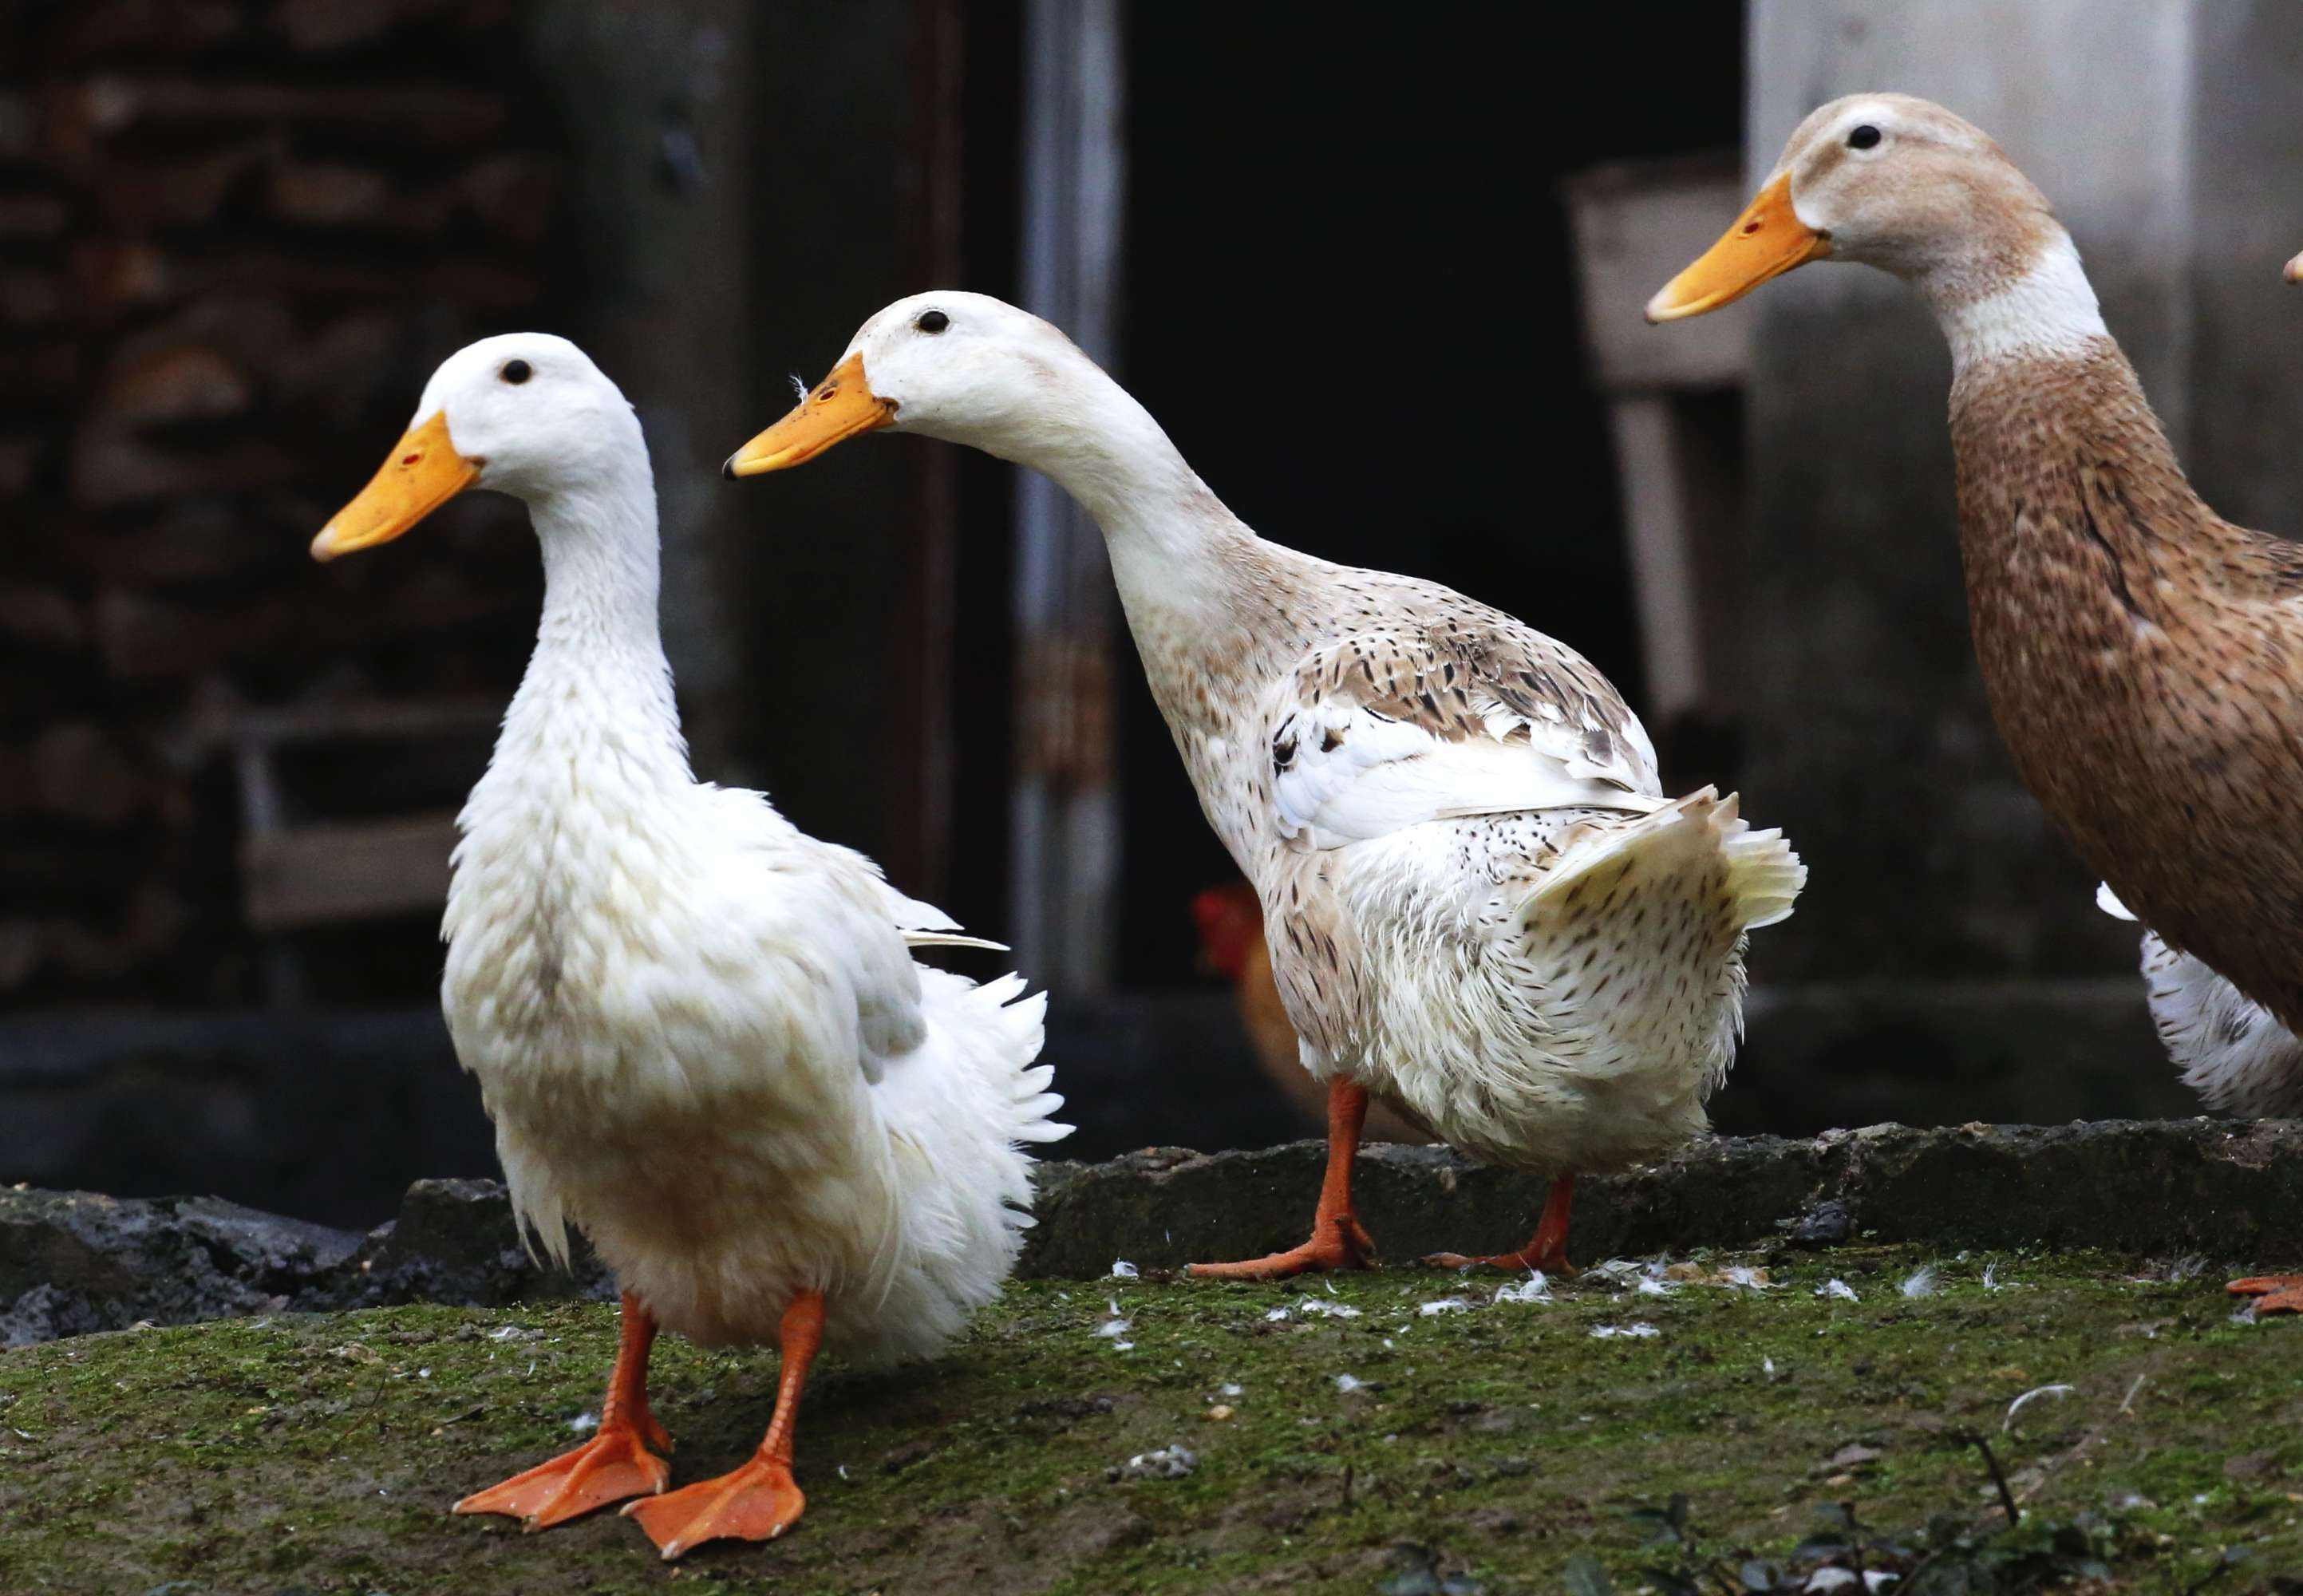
234	239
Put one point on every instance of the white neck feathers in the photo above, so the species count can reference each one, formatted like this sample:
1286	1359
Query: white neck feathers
1166	532
598	681
2049	312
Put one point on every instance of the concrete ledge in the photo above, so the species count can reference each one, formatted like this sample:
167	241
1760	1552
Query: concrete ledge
72	1262
2223	1187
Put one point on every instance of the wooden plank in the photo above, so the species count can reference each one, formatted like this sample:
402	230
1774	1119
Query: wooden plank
329	873
365	719
1063	809
922	766
1635	226
1658	532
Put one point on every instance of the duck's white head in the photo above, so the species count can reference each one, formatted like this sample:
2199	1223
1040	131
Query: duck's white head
1888	180
965	368
524	413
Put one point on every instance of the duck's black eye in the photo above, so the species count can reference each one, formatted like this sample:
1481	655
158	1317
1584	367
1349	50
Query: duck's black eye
516	371
932	321
1863	137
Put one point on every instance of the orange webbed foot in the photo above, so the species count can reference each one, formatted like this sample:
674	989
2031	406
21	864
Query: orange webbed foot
757	1501
2272	1294
1553	1264
1337	1244
613	1464
1546	1251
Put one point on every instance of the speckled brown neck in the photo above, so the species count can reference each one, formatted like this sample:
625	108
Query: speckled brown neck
2143	658
2067	484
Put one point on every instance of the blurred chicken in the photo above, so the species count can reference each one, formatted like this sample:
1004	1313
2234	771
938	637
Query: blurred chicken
1230	922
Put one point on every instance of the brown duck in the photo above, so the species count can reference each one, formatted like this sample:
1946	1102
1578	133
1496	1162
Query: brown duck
2144	656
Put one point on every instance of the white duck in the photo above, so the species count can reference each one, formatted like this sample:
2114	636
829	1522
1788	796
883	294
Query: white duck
1477	900
700	1032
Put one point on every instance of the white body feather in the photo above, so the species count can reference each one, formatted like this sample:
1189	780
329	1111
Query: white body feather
2231	1050
1557	989
700	1032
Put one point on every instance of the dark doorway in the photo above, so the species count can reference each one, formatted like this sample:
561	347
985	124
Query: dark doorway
1350	301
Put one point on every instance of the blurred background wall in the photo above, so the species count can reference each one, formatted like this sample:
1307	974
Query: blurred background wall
236	235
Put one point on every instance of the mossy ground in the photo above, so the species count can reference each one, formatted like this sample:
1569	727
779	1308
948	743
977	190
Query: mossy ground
319	1452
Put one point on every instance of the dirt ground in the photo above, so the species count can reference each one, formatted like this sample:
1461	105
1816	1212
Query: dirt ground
1405	1433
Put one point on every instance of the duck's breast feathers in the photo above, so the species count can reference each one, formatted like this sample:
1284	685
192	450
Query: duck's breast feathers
1433	717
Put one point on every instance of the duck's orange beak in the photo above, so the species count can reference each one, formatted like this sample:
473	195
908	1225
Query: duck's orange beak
842	406
1767	241
2294	273
424	472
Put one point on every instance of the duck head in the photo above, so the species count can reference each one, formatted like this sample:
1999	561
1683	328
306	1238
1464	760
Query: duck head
1887	179
525	413
963	368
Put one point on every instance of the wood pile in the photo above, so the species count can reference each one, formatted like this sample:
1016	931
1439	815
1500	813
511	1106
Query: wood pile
235	236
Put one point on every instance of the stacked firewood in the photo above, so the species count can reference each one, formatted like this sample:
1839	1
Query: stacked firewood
234	237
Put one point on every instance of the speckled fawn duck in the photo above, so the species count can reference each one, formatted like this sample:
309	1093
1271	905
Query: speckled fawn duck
2144	656
1478	903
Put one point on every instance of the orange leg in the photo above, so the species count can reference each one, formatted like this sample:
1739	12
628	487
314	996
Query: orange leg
1546	1252
758	1499
614	1463
1337	1240
2273	1294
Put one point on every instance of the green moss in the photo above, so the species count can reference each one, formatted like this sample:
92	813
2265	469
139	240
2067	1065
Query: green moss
319	1452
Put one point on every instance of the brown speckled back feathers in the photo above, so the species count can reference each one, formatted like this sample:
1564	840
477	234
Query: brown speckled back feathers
2144	659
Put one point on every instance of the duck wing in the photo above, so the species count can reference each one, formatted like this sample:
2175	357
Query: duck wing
1437	717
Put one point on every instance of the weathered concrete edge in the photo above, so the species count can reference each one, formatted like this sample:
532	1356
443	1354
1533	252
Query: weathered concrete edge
70	1263
2229	1189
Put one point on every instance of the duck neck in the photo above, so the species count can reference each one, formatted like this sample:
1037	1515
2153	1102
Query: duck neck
598	687
2076	519
1173	543
2029	300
